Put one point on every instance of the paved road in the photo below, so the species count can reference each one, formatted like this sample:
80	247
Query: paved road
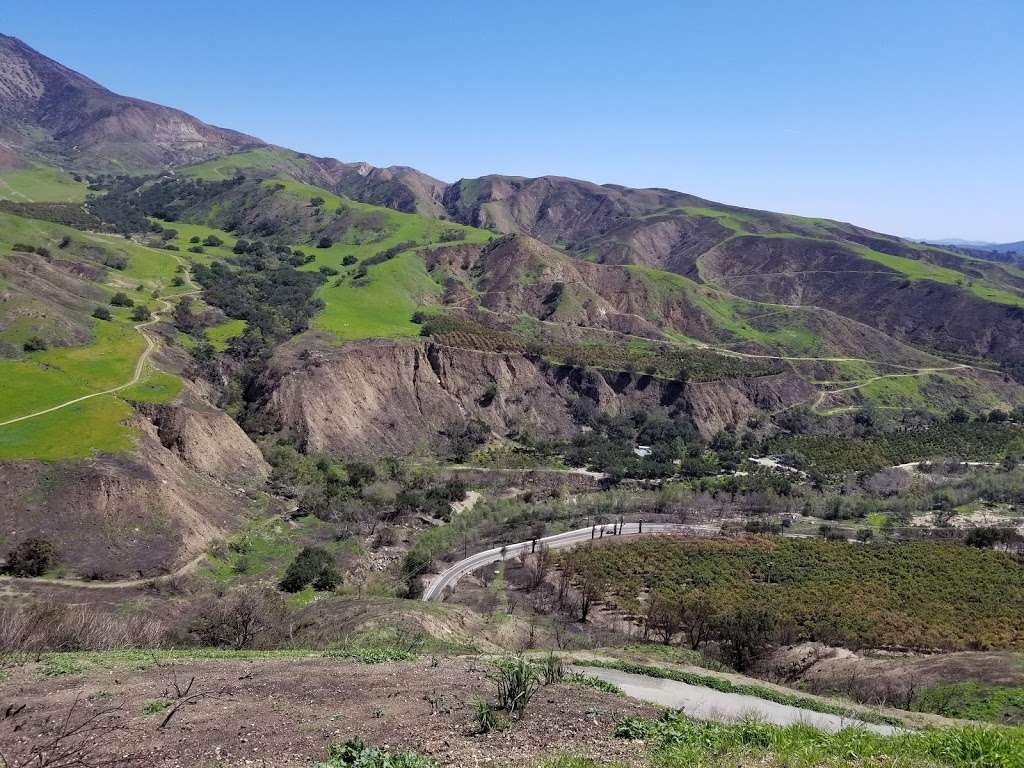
709	704
451	576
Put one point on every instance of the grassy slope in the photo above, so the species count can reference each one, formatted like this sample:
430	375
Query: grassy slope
39	380
383	304
40	183
743	224
262	160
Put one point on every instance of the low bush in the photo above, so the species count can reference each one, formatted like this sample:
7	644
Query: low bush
355	754
31	558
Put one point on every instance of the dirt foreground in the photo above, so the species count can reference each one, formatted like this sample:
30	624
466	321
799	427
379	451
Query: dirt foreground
287	712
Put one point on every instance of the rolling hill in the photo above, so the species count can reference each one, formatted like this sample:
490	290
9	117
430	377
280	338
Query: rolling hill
368	312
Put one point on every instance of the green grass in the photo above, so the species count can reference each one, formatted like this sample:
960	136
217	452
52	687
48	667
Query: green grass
262	160
219	335
382	303
74	432
679	742
383	306
917	269
187	231
47	378
743	320
150	267
154	387
973	701
40	183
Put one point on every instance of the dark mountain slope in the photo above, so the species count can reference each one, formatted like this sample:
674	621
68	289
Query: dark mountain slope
51	111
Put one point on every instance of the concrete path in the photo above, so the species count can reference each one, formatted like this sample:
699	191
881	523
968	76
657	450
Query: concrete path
708	704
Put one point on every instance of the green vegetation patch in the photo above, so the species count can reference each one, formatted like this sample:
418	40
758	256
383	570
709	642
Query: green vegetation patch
915	595
837	455
679	742
154	387
775	326
40	183
973	701
99	424
918	269
219	335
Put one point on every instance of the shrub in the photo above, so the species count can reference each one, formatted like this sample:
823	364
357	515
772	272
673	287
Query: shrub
349	260
517	681
30	558
116	261
122	299
238	619
177	281
34	344
355	754
141	312
324	242
194	239
213	241
313	565
101	313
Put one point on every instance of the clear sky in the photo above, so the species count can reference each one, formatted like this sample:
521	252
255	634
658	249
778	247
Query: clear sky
906	116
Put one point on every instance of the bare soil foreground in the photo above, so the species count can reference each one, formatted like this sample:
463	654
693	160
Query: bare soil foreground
286	712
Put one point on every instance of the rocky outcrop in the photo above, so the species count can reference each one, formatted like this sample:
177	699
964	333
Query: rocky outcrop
388	398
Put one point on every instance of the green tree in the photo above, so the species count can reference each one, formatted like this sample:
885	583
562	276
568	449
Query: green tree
744	635
313	565
30	558
122	299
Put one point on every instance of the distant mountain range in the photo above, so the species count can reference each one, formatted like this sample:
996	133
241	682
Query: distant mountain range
980	245
917	293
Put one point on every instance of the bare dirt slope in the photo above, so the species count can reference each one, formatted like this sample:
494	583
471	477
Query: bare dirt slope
142	514
286	713
383	397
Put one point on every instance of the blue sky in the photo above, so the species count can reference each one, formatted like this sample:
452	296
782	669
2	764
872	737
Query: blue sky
903	116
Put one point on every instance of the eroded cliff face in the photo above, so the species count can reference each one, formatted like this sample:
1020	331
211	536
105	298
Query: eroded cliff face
141	514
382	398
209	442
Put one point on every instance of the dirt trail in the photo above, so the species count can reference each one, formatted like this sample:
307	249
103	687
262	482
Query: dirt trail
185	569
152	343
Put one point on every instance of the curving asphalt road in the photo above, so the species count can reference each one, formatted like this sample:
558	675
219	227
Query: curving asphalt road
450	577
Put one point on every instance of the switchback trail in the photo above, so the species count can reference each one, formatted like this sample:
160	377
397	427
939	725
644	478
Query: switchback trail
140	364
